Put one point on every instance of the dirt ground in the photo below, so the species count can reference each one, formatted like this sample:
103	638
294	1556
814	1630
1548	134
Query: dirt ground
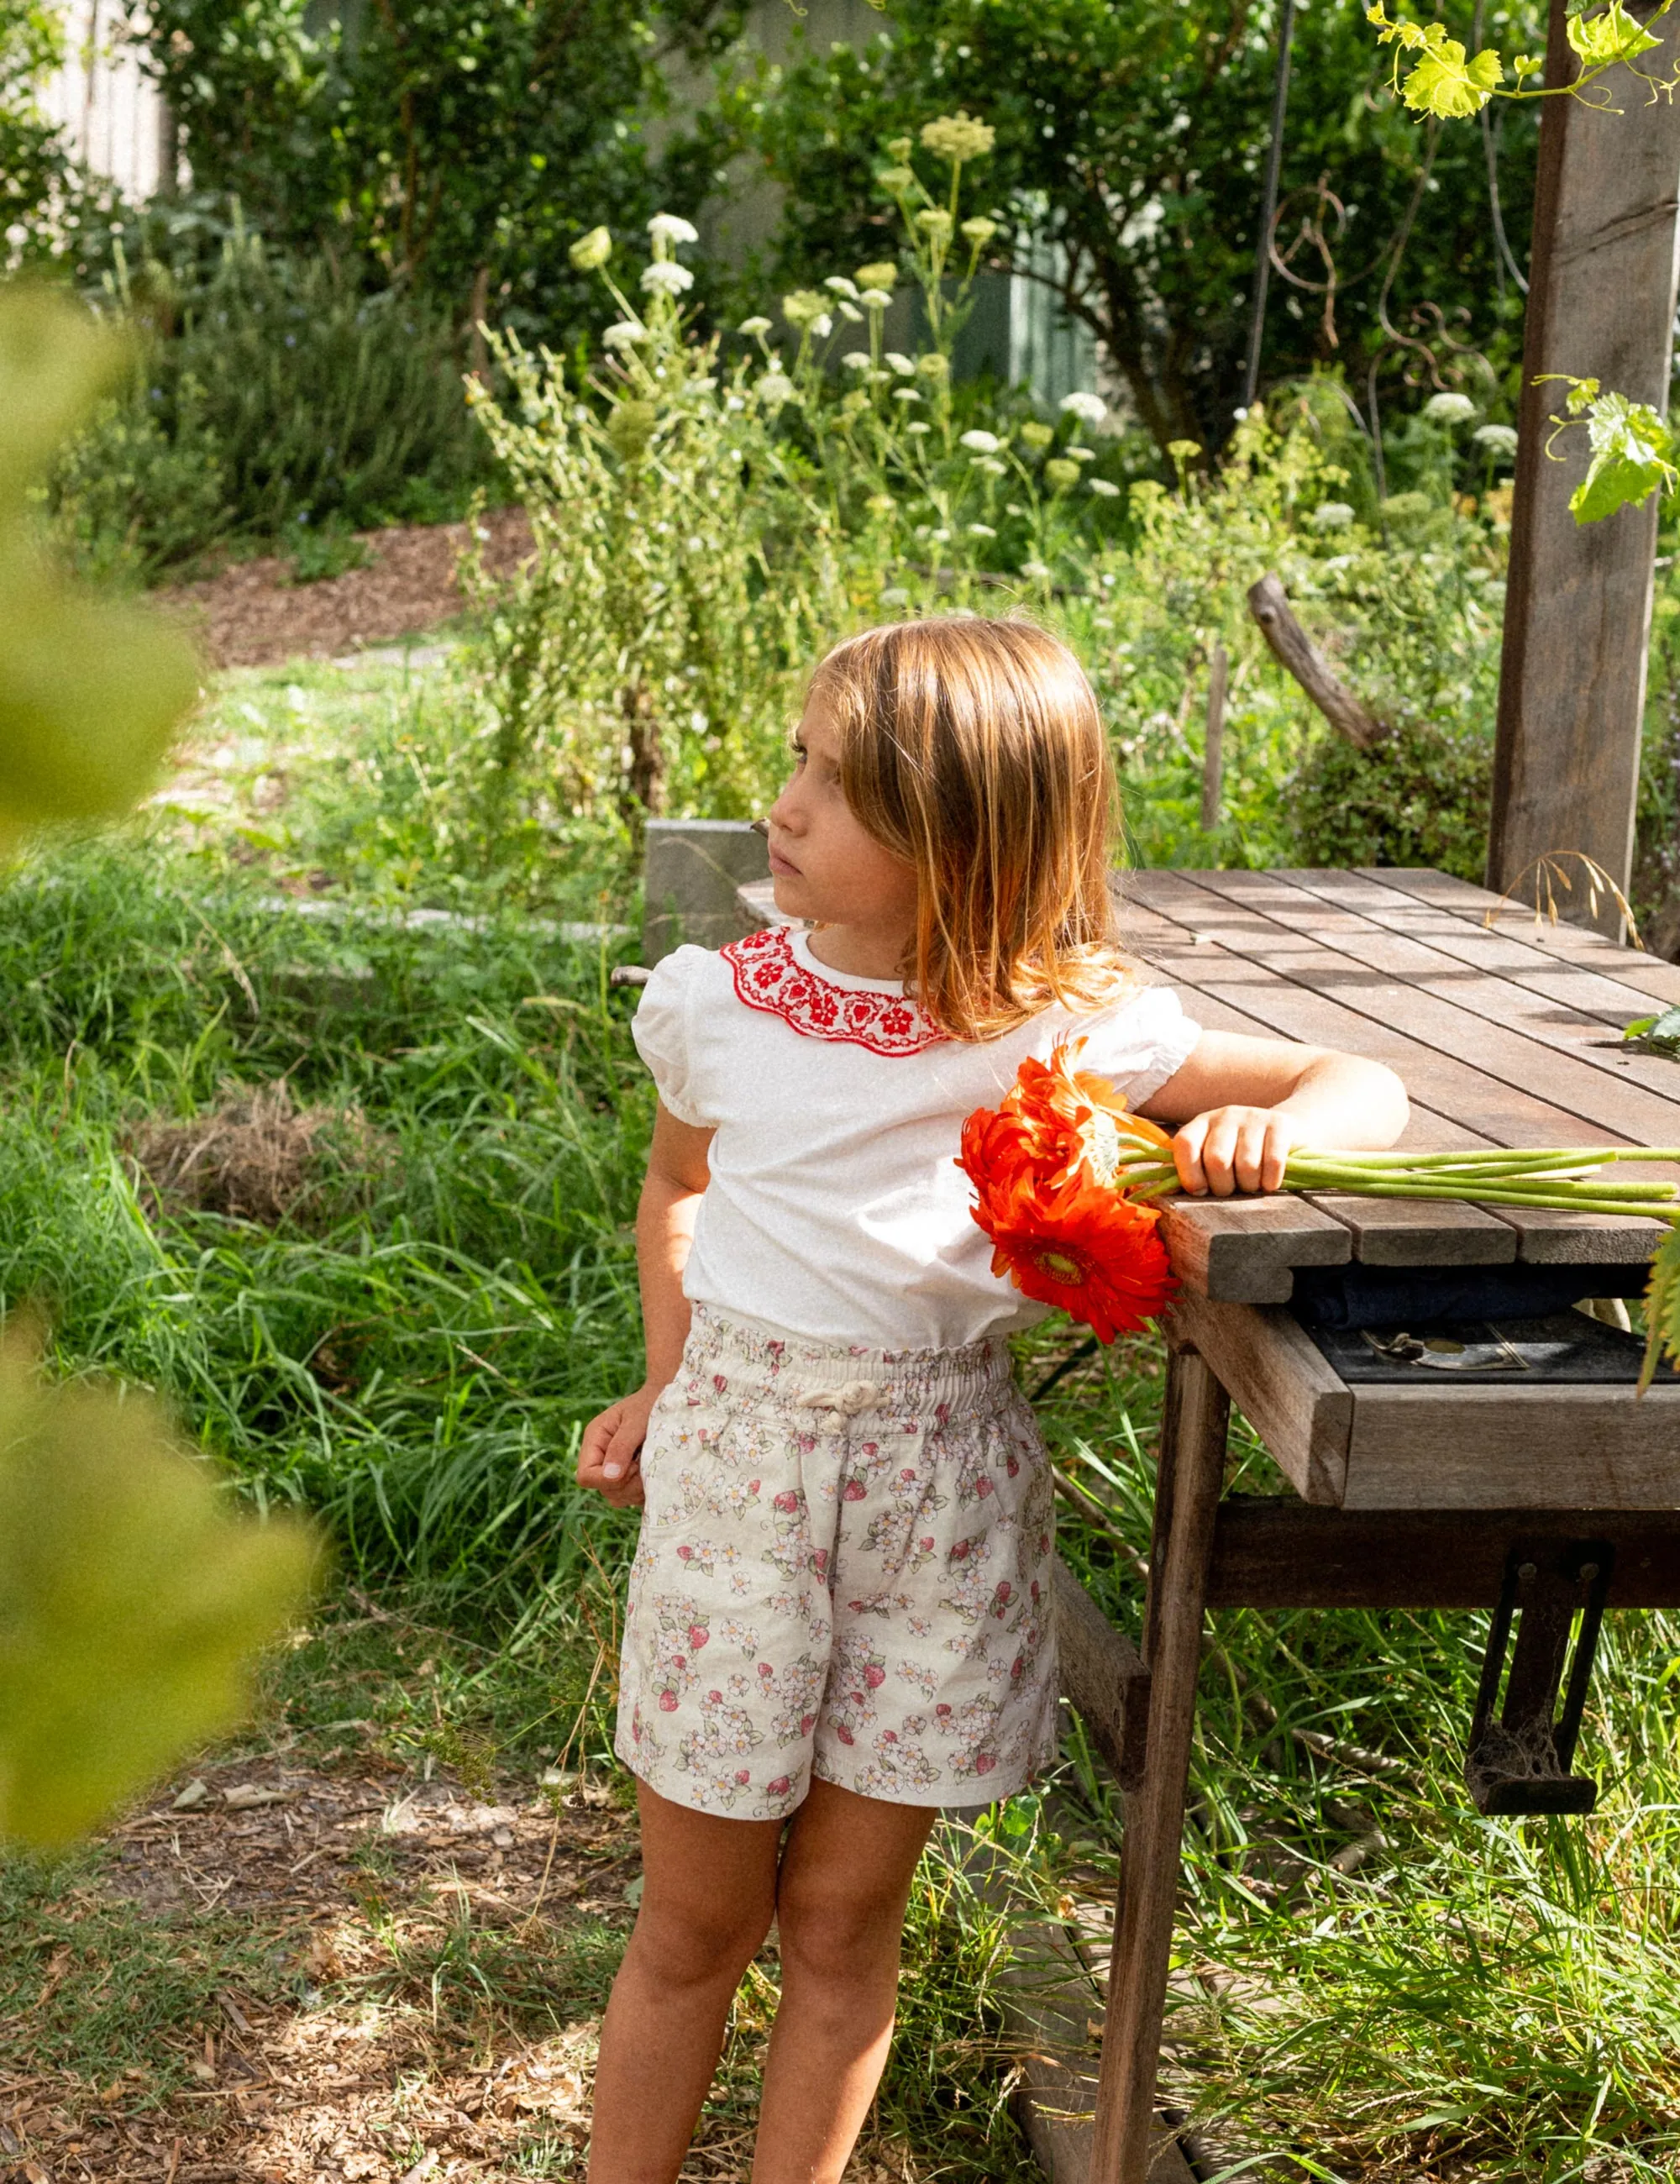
421	1938
251	615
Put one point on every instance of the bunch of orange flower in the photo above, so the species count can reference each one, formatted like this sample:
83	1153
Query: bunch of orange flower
1051	1169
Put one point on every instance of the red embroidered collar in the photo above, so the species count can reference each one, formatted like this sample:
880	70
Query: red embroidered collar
768	976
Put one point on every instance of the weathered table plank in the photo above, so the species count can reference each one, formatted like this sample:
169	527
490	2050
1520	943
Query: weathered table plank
1575	943
1453	1103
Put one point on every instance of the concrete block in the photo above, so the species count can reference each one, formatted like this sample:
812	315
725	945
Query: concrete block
692	869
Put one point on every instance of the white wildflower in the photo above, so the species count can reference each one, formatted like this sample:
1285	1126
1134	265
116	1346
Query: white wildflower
776	387
895	595
981	531
856	359
992	466
821	328
625	334
901	365
1332	515
665	277
1104	489
753	326
1448	409
671	227
1037	570
983	444
920	426
849	312
875	299
842	287
1078	455
1499	441
1089	409
906	394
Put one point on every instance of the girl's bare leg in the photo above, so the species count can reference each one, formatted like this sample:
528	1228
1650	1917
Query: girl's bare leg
844	1881
708	1896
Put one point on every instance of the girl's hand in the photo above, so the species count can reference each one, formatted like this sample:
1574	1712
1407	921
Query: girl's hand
1232	1149
612	1444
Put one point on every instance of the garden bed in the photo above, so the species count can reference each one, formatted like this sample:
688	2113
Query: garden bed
254	613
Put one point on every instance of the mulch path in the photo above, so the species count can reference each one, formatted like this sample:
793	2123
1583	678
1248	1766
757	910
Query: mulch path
251	614
348	2081
358	2074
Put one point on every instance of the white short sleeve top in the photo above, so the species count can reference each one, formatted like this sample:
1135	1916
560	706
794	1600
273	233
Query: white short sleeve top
836	1210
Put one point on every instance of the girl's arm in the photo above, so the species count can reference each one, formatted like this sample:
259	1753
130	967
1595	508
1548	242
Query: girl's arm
1243	1104
678	1172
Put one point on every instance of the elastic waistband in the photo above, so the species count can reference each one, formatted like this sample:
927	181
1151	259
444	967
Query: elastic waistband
912	1377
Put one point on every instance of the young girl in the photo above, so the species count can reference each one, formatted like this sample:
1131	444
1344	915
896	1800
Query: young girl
838	1619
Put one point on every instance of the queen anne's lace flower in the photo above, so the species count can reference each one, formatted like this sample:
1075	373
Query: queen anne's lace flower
979	232
840	286
957	137
1449	408
1104	488
665	277
776	387
753	326
856	359
981	531
670	227
875	299
983	444
902	366
625	334
1499	441
803	308
1332	515
881	273
1089	409
1060	473
591	252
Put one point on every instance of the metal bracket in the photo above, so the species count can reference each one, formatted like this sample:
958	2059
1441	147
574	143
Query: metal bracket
1520	1763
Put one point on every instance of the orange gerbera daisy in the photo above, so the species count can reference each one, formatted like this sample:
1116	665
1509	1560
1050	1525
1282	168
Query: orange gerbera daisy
1044	1166
1083	1247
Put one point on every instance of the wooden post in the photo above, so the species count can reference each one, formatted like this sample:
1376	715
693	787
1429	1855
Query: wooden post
1187	1499
1578	617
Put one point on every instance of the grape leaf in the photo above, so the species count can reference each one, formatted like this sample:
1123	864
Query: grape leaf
1601	40
1632	447
1443	82
131	1599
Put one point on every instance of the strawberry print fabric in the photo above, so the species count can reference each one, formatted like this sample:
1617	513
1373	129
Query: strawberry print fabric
843	1571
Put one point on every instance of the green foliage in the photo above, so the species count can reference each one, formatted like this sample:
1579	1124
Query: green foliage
92	691
269	398
1413	624
1128	139
1442	82
1421	797
707	520
1631	448
33	170
453	147
129	1602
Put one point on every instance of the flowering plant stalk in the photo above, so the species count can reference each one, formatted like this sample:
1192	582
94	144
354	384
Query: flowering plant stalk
1070	1184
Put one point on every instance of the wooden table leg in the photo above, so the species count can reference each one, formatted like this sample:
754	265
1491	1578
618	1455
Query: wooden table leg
1191	1475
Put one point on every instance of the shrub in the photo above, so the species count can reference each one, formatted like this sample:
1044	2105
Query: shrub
271	396
1420	798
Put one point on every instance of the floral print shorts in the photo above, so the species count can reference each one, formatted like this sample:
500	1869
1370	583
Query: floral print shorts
843	1571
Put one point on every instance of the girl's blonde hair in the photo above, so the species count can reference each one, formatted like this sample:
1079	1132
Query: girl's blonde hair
975	750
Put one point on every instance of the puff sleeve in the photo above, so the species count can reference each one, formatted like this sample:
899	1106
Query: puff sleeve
1142	1043
663	1029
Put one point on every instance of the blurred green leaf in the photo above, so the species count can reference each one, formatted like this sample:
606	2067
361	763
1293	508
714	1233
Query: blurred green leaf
92	690
1657	1034
131	1599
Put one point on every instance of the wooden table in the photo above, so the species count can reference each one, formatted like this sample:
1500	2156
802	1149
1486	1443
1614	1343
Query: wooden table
1547	1500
